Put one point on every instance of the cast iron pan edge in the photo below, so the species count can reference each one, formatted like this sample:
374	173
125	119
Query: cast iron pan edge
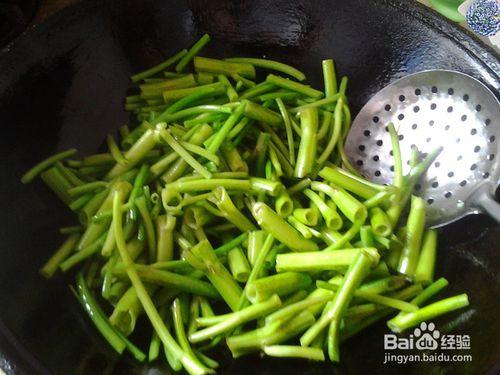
463	37
15	355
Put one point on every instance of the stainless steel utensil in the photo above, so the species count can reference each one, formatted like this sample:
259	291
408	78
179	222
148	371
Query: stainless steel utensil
431	109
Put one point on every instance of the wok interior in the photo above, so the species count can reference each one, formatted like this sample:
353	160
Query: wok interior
62	86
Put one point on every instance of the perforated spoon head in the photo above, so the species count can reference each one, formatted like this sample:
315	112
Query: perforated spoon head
431	109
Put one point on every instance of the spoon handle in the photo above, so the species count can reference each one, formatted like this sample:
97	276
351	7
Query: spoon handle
485	200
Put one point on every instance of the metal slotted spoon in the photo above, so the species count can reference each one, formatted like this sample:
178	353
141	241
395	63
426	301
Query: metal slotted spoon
431	109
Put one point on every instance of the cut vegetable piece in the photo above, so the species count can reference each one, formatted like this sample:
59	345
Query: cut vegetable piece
271	222
294	86
270	64
193	51
158	68
205	64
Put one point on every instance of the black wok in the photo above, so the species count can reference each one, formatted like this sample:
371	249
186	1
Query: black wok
62	84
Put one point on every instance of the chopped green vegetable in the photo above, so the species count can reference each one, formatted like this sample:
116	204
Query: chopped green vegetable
216	198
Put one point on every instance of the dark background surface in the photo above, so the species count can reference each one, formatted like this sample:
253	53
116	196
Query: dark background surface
62	84
15	16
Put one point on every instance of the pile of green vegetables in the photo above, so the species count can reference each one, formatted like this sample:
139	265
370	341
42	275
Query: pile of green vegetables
230	215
